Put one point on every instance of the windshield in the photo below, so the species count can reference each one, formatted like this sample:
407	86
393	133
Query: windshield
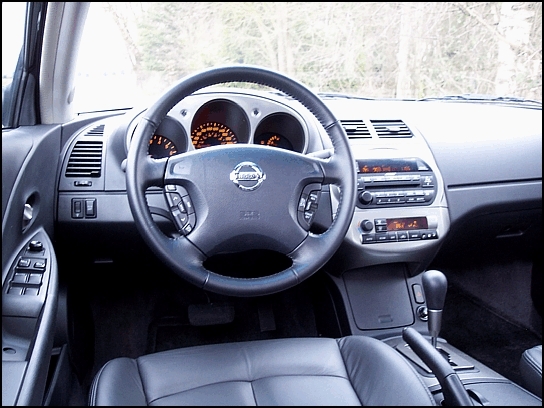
131	52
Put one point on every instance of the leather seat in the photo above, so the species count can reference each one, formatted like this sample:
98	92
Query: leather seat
353	370
530	367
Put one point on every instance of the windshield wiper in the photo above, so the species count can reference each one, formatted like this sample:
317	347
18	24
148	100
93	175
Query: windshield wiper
485	98
335	95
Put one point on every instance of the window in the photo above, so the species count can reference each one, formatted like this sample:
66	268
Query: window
13	25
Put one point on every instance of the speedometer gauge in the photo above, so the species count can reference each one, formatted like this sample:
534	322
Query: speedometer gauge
212	134
160	146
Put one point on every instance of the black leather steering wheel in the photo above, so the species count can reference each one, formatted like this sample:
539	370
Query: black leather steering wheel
232	198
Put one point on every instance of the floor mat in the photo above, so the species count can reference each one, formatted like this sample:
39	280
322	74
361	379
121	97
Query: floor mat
277	316
481	333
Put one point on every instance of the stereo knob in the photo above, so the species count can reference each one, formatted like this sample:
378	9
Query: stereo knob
365	197
367	225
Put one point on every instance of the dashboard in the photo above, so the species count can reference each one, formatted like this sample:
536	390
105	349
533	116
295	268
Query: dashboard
426	171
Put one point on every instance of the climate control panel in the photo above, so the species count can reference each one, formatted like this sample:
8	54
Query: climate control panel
398	229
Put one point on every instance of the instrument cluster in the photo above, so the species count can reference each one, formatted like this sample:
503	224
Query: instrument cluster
221	121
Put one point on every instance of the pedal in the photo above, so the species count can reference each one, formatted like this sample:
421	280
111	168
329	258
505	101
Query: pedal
267	321
210	314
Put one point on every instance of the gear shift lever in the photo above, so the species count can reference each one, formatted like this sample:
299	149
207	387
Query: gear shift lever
435	286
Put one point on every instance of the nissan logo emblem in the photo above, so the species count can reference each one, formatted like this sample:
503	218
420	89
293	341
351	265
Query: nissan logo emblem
248	176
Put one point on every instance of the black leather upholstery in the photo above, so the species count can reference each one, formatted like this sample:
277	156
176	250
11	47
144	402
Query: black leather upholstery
530	367
353	370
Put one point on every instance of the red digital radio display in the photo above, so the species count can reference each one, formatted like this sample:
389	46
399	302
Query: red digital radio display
391	166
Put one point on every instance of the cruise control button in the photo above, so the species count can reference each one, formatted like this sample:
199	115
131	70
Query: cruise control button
313	197
308	216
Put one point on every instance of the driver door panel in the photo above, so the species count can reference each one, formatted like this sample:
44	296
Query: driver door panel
30	157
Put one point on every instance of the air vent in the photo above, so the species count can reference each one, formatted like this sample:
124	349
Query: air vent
391	128
356	129
96	131
85	159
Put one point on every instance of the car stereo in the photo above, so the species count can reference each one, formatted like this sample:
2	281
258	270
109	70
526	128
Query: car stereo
394	183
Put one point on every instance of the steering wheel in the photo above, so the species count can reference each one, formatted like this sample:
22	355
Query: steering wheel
233	198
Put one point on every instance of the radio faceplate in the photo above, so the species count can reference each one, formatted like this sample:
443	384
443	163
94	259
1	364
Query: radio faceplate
394	183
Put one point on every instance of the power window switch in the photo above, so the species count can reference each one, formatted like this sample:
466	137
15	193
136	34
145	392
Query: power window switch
35	278
19	278
15	290
32	291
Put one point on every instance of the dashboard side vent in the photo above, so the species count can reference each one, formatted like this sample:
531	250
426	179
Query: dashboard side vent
85	159
391	128
356	129
96	131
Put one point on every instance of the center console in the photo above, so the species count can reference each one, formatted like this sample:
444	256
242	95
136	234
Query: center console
450	374
484	386
400	219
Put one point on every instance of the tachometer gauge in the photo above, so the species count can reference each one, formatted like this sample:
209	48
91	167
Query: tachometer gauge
160	146
274	139
212	134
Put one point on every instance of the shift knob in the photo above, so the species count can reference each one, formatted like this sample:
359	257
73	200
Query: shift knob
435	286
